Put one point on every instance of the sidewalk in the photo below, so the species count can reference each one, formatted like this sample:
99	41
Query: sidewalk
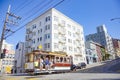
15	74
94	64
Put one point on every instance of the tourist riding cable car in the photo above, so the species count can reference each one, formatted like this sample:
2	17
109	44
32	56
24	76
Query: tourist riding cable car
57	62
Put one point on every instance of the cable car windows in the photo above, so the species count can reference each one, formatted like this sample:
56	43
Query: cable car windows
57	59
61	59
68	60
65	60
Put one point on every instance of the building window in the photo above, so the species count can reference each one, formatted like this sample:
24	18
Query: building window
47	36
47	19
45	45
33	48
48	45
69	26
74	35
55	45
34	33
75	49
78	30
6	62
55	36
74	42
3	62
76	58
55	18
10	62
40	30
69	33
40	38
47	27
69	40
55	27
74	28
70	48
63	22
33	41
13	56
40	23
34	26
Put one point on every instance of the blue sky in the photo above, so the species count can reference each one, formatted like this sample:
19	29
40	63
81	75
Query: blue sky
88	13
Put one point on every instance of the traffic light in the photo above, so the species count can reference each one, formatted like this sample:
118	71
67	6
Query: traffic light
3	54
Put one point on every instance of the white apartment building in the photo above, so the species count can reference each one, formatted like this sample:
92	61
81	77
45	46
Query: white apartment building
7	63
19	57
56	32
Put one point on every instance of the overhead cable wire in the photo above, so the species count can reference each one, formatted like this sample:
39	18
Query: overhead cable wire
19	8
42	7
58	3
31	15
28	18
31	10
34	7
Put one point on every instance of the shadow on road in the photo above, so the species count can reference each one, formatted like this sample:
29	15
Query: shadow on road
107	67
104	79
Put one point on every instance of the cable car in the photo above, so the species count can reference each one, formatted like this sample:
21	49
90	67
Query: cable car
47	62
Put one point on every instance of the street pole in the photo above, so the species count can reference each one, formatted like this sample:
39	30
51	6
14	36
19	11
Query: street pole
115	53
4	28
7	20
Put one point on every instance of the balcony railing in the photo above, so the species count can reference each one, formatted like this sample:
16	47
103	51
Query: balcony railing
28	31
60	25
28	39
61	33
61	42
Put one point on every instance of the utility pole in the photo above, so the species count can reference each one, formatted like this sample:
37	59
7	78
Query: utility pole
5	26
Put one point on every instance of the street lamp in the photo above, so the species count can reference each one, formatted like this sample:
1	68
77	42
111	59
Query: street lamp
114	19
115	54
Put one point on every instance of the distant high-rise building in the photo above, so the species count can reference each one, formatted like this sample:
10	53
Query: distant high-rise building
102	37
54	31
19	57
116	44
7	62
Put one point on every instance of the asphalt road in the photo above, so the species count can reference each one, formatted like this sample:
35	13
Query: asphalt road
105	67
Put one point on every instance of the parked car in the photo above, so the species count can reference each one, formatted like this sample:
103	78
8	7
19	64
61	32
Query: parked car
73	67
81	65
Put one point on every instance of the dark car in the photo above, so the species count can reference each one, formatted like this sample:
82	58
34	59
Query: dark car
81	65
73	67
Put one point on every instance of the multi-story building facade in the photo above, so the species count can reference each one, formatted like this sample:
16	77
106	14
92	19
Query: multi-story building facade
91	52
19	57
116	44
102	37
94	52
56	32
7	62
